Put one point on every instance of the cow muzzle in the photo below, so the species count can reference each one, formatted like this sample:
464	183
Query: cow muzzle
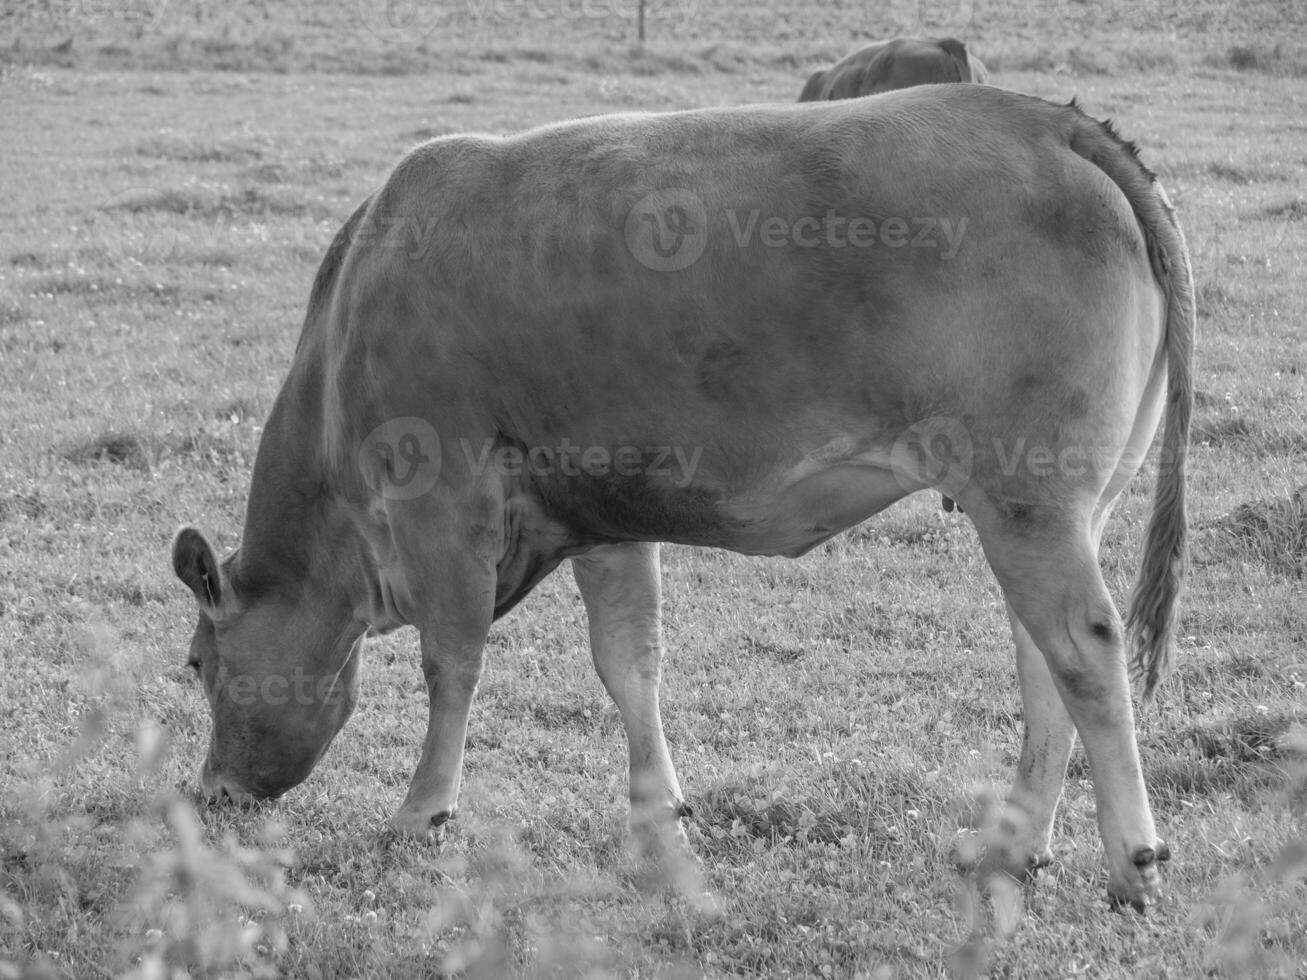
217	788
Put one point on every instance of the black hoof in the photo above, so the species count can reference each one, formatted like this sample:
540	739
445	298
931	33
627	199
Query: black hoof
1143	857
1035	863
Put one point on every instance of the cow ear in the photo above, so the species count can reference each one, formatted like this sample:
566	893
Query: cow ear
193	561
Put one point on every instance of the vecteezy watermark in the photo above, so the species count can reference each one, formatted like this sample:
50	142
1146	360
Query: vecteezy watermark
398	22
409	235
933	18
411	22
129	223
140	15
668	230
155	223
400	459
941	453
676	464
1072	460
934	452
565	10
278	690
168	222
833	230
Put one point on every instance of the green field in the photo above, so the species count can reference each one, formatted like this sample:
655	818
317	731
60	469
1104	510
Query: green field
170	174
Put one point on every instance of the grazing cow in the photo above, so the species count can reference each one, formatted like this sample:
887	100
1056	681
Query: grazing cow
746	328
900	62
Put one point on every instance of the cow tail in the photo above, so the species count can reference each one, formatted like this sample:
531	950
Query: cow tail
1151	622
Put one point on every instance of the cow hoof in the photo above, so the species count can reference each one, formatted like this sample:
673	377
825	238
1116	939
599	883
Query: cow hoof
1117	903
1035	863
1146	883
1138	899
987	860
1022	869
422	826
1143	857
659	832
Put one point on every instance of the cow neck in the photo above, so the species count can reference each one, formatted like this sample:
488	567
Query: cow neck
295	539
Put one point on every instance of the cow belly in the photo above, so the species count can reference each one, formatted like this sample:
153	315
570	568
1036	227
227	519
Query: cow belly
776	514
812	509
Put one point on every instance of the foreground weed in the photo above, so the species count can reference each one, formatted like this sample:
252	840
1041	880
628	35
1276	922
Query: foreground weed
201	911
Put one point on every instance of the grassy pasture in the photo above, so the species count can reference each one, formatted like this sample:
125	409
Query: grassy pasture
839	720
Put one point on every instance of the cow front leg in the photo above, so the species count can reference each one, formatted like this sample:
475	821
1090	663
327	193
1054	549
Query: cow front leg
452	670
447	591
621	587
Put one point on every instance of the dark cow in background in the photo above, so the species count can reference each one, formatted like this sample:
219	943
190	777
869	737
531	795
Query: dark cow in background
900	62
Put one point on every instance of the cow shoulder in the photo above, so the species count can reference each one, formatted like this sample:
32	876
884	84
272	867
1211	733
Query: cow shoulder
450	160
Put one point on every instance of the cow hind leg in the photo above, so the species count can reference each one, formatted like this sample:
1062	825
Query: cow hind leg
622	593
1049	573
1026	832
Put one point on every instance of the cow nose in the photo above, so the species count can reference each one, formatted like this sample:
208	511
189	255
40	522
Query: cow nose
218	788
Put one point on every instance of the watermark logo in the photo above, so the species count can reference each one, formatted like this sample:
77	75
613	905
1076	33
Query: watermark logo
927	18
675	464
565	10
836	231
140	15
667	231
398	22
400	459
935	452
412	236
277	690
171	222
133	222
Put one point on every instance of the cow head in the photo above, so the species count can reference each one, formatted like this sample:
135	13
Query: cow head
280	670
